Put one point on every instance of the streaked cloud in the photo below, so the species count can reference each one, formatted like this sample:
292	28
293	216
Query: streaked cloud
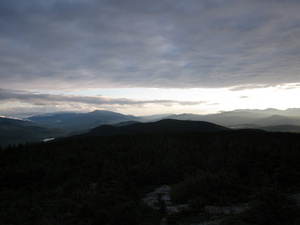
173	55
248	87
290	86
50	99
72	45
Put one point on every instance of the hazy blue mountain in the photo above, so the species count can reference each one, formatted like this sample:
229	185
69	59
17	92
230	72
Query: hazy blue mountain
224	118
155	117
13	131
295	112
275	120
10	122
245	126
82	121
242	117
96	118
237	119
121	124
162	126
53	119
265	112
291	112
186	116
282	128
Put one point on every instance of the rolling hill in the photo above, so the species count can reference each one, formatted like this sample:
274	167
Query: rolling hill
276	120
282	128
254	118
81	121
53	119
14	131
159	127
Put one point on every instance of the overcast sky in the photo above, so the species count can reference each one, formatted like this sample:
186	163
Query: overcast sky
146	57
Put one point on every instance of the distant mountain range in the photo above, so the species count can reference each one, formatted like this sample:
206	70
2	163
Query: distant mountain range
81	121
54	125
85	121
247	118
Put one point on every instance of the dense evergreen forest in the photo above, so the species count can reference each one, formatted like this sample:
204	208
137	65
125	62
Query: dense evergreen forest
102	180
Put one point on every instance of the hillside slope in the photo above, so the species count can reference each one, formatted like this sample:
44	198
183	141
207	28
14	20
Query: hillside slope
103	180
82	121
13	131
162	126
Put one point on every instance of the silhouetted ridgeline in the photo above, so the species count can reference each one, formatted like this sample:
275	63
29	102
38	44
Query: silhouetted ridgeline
162	126
102	180
40	127
81	121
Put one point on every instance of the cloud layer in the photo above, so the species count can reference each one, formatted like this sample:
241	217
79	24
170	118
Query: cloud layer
77	44
37	99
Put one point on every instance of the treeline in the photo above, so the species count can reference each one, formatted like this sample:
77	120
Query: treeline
103	180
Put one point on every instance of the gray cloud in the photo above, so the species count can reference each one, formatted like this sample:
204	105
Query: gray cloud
290	86
52	100
248	86
62	44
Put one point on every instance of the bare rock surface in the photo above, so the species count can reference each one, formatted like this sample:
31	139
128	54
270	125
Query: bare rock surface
210	222
161	193
160	197
231	209
296	197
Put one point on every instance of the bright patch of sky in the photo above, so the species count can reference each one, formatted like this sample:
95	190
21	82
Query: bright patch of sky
214	99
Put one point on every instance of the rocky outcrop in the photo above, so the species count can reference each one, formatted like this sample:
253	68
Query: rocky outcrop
296	197
231	209
160	197
210	222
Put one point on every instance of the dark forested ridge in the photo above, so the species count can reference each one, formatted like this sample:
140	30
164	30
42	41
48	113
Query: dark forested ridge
14	131
102	180
162	126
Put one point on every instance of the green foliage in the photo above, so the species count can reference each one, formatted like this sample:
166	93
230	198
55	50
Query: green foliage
102	180
271	206
208	187
268	206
